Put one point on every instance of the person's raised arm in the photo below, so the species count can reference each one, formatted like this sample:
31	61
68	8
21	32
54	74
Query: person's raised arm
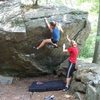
48	25
64	48
69	40
60	28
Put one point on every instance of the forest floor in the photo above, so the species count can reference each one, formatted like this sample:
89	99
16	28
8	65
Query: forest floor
19	90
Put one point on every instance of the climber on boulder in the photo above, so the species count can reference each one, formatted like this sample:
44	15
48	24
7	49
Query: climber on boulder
55	37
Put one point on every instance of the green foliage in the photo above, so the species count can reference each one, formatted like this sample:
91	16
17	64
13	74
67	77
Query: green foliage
95	8
94	5
88	49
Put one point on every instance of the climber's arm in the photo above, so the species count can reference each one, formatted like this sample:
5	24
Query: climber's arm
48	25
60	28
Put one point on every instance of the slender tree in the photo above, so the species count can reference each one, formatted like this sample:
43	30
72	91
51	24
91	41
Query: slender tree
35	2
96	57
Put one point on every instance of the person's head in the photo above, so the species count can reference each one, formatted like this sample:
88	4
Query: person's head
73	43
53	24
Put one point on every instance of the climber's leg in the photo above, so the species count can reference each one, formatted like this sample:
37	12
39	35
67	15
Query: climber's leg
44	42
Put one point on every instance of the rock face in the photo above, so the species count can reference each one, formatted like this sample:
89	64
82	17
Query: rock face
22	28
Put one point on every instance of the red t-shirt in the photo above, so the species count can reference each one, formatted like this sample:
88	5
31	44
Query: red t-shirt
73	51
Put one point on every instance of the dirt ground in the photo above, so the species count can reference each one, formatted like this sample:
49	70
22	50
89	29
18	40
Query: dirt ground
19	90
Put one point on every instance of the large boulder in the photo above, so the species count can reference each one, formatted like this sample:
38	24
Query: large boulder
22	28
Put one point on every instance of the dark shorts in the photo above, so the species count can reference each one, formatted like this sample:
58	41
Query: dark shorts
70	69
54	41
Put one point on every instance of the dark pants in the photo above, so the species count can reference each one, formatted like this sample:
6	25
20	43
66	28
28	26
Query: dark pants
70	69
54	41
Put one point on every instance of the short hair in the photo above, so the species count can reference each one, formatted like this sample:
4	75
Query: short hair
53	23
73	42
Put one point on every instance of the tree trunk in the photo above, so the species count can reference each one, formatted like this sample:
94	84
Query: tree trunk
36	2
96	57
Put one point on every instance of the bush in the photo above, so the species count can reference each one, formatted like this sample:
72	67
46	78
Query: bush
88	49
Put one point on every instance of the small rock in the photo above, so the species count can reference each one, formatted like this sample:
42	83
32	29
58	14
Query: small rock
6	80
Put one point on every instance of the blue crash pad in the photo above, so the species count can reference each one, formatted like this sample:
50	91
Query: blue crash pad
41	86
